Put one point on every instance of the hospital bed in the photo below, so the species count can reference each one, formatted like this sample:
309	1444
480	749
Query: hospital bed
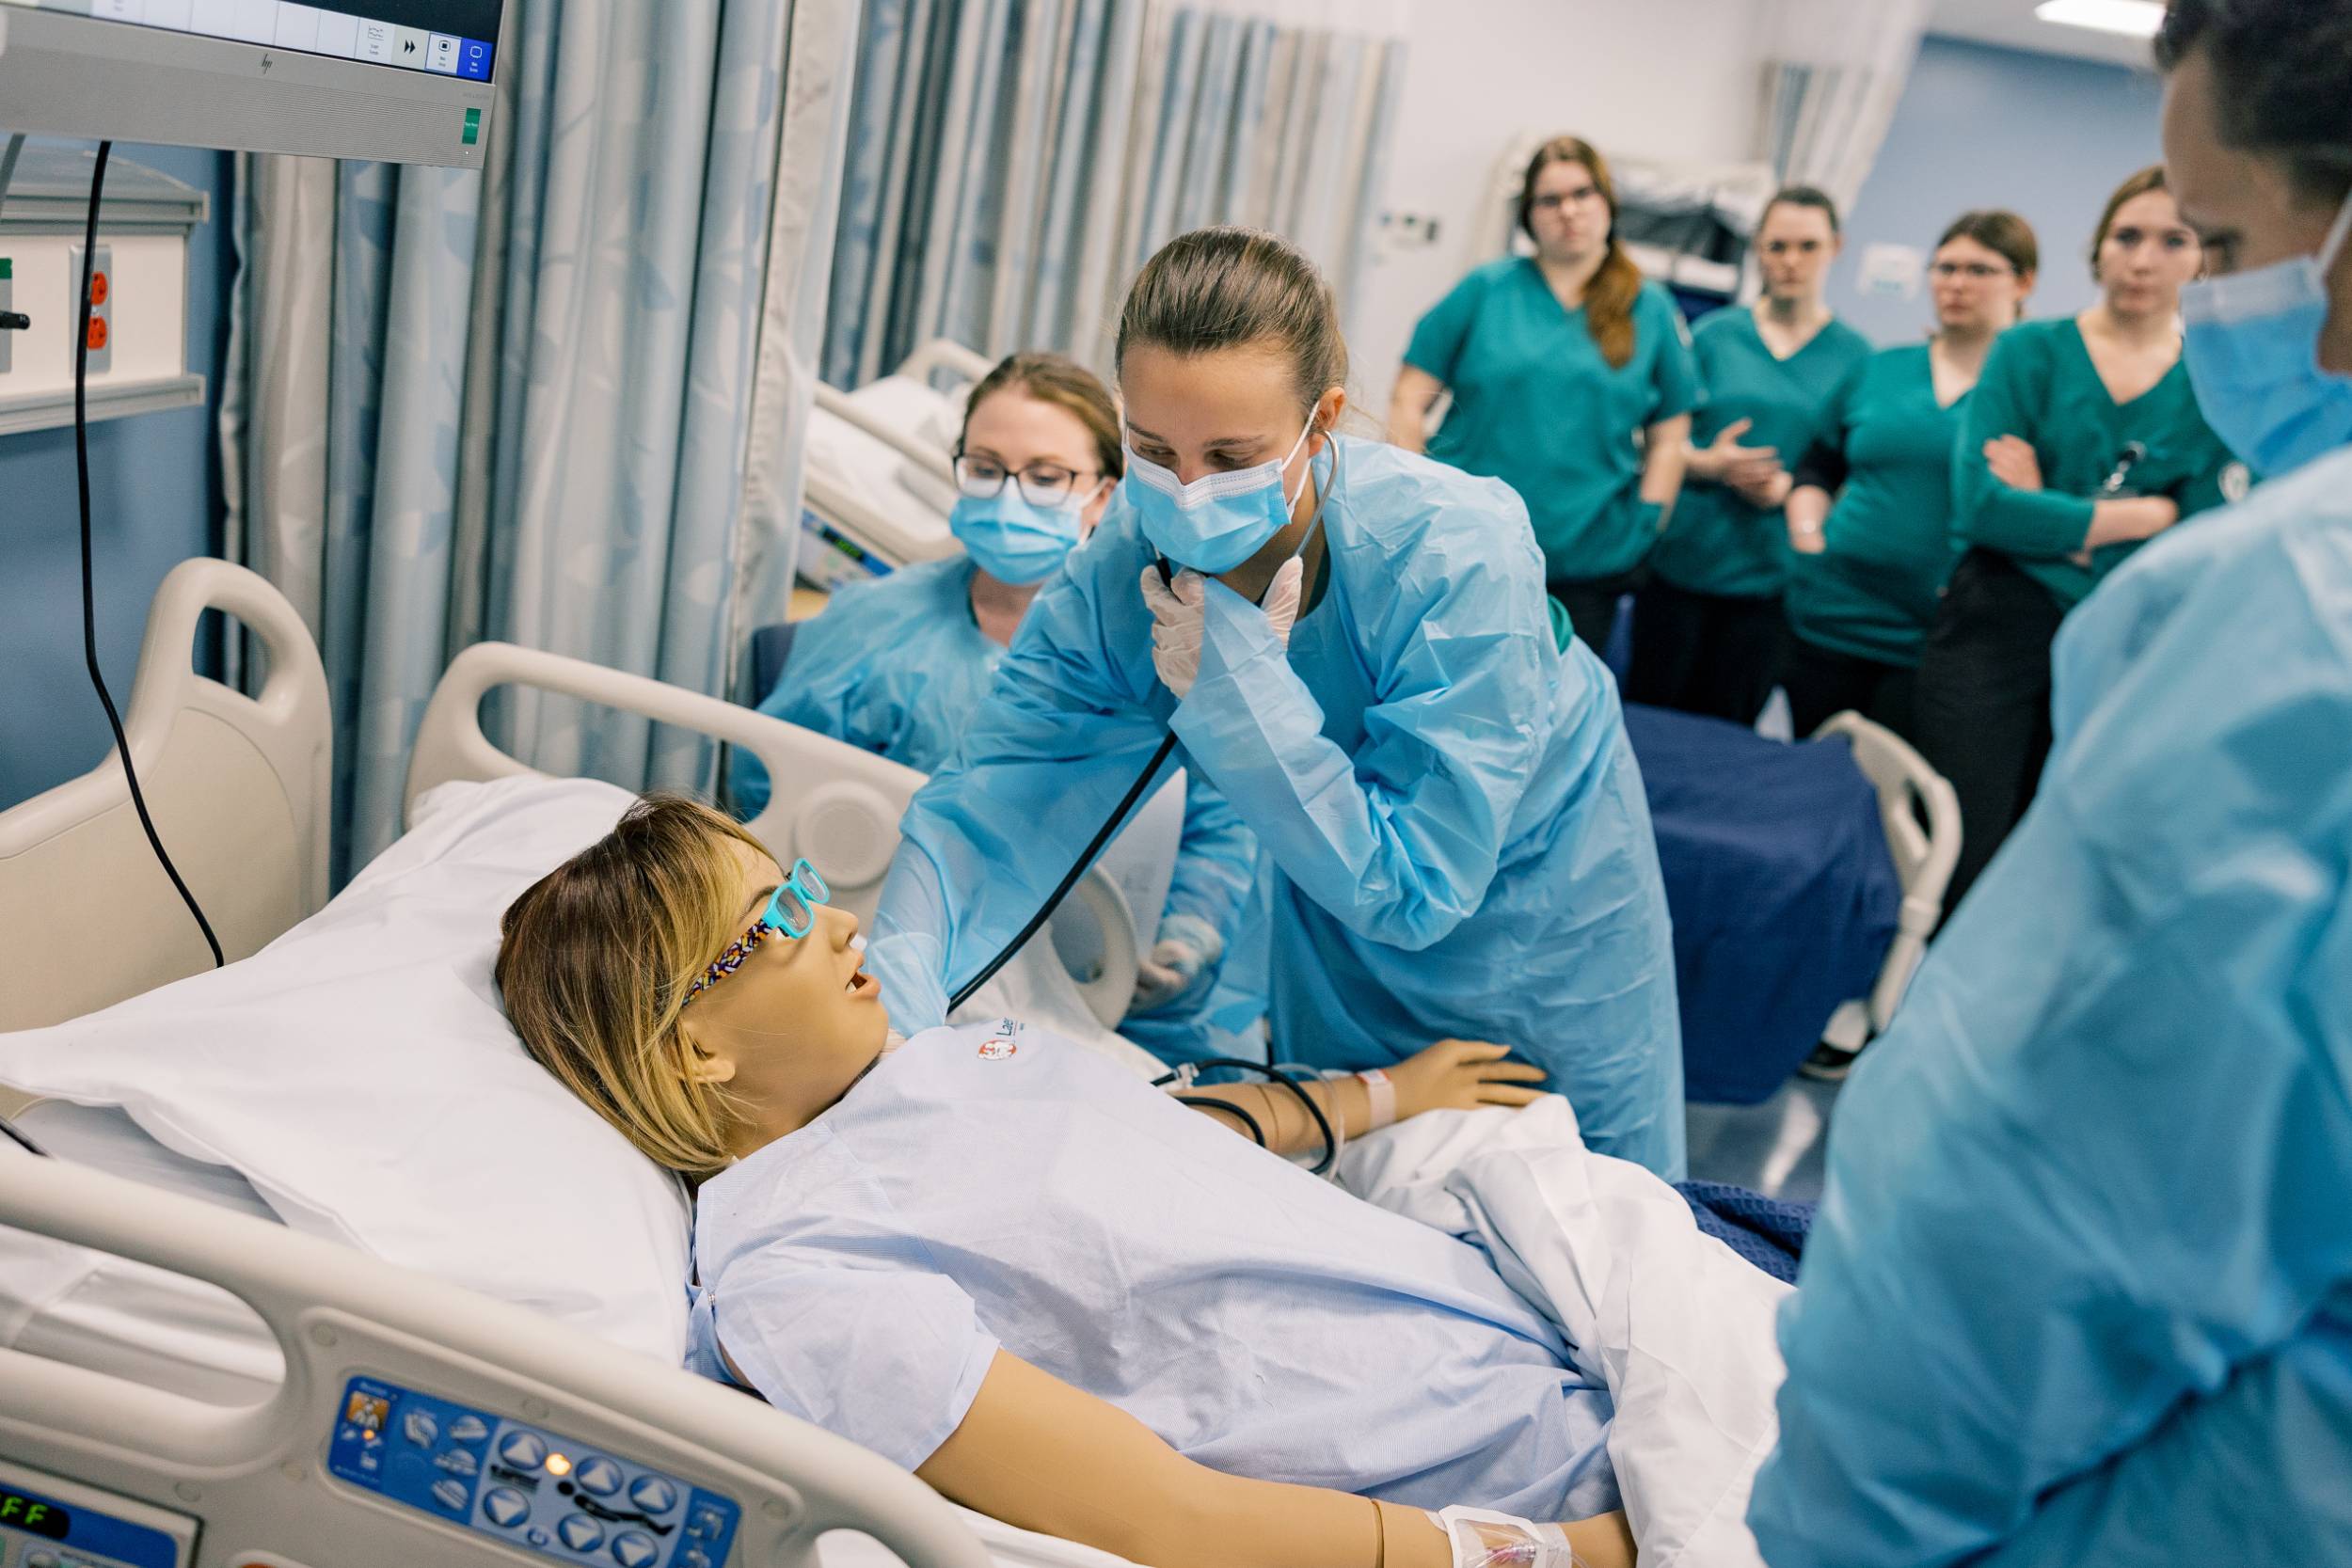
879	477
402	1398
246	1393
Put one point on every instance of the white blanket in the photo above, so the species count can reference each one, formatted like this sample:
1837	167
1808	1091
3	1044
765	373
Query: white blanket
1678	1325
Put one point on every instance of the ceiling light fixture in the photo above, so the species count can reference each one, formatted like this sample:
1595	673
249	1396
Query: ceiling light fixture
2139	19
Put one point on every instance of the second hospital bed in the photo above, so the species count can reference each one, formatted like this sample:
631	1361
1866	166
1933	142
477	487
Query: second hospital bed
138	1459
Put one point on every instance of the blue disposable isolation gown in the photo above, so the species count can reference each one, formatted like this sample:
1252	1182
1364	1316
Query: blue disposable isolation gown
2080	1293
898	666
1459	839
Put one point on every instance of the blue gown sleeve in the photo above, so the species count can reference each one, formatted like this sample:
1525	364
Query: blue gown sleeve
1399	841
2088	1191
1216	862
2029	524
1064	732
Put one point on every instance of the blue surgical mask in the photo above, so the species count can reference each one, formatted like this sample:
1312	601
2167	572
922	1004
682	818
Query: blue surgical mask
1219	520
1012	538
2252	340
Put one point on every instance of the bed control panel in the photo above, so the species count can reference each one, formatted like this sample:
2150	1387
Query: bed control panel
523	1485
46	1521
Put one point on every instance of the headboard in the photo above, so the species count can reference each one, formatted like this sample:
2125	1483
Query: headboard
238	789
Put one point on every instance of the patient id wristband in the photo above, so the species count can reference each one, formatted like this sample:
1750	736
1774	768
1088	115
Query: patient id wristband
1381	1089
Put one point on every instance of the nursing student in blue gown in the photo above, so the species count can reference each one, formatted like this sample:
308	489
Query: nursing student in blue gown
2080	1293
899	665
1353	645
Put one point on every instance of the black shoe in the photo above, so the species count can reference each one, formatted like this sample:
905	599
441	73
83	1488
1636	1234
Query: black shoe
1829	1064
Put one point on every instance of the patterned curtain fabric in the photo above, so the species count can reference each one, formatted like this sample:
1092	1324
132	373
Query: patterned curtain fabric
519	403
1014	161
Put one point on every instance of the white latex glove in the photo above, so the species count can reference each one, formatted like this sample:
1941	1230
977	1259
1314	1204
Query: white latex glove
1178	613
1176	626
1187	944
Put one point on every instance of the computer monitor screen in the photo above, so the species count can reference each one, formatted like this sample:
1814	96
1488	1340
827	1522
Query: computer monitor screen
404	80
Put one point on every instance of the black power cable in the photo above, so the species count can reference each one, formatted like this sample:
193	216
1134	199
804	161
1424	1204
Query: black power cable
1226	1108
89	593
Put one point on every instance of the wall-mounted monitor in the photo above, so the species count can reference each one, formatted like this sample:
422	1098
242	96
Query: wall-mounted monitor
407	81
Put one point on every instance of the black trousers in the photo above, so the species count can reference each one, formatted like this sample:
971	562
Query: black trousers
1592	605
1822	683
1704	653
1983	703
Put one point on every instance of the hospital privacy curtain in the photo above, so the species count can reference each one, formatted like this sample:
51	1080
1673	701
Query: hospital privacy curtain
1837	71
520	405
1012	163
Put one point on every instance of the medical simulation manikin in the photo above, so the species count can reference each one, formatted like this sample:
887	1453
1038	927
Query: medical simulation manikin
1019	1270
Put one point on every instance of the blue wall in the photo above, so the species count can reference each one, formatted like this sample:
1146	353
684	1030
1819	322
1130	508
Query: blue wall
155	501
1980	126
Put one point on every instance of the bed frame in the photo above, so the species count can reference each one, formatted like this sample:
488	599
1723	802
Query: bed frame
240	788
240	792
1920	814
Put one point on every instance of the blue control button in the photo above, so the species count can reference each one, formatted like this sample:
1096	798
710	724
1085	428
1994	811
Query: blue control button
693	1557
505	1507
459	1462
707	1520
580	1533
419	1428
522	1450
450	1491
469	1429
473	59
598	1477
633	1549
652	1495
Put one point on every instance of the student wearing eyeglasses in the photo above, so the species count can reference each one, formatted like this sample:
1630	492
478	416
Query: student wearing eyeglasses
1573	383
1869	516
2083	441
899	665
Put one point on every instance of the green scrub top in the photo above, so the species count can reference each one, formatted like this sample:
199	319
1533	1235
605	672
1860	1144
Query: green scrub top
1537	406
1887	545
1719	542
2040	384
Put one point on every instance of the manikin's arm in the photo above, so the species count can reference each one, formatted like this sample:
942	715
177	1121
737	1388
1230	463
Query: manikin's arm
1038	1454
1451	1074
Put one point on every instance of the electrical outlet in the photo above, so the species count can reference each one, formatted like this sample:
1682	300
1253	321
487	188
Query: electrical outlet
101	319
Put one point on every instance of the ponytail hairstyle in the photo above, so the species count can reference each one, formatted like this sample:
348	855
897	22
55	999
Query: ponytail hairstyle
1238	287
1609	299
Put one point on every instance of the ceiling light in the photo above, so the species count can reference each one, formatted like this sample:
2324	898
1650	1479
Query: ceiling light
2139	19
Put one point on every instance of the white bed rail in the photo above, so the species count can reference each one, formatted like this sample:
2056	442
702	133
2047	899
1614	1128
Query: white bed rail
846	823
256	1476
241	793
1907	789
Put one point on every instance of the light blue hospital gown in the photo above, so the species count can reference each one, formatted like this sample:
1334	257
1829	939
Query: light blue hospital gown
897	667
1459	840
2080	1290
992	1185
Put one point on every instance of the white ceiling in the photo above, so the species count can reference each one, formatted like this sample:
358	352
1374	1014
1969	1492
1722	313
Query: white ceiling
2011	23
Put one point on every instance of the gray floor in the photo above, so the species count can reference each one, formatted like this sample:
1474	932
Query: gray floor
1774	1149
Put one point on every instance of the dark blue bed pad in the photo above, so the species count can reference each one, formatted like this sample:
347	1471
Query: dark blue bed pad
1783	894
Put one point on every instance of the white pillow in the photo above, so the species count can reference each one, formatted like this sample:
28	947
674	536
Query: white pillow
360	1072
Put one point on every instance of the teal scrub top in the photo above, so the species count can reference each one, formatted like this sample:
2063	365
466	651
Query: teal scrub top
2040	384
1537	406
1887	544
1720	541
